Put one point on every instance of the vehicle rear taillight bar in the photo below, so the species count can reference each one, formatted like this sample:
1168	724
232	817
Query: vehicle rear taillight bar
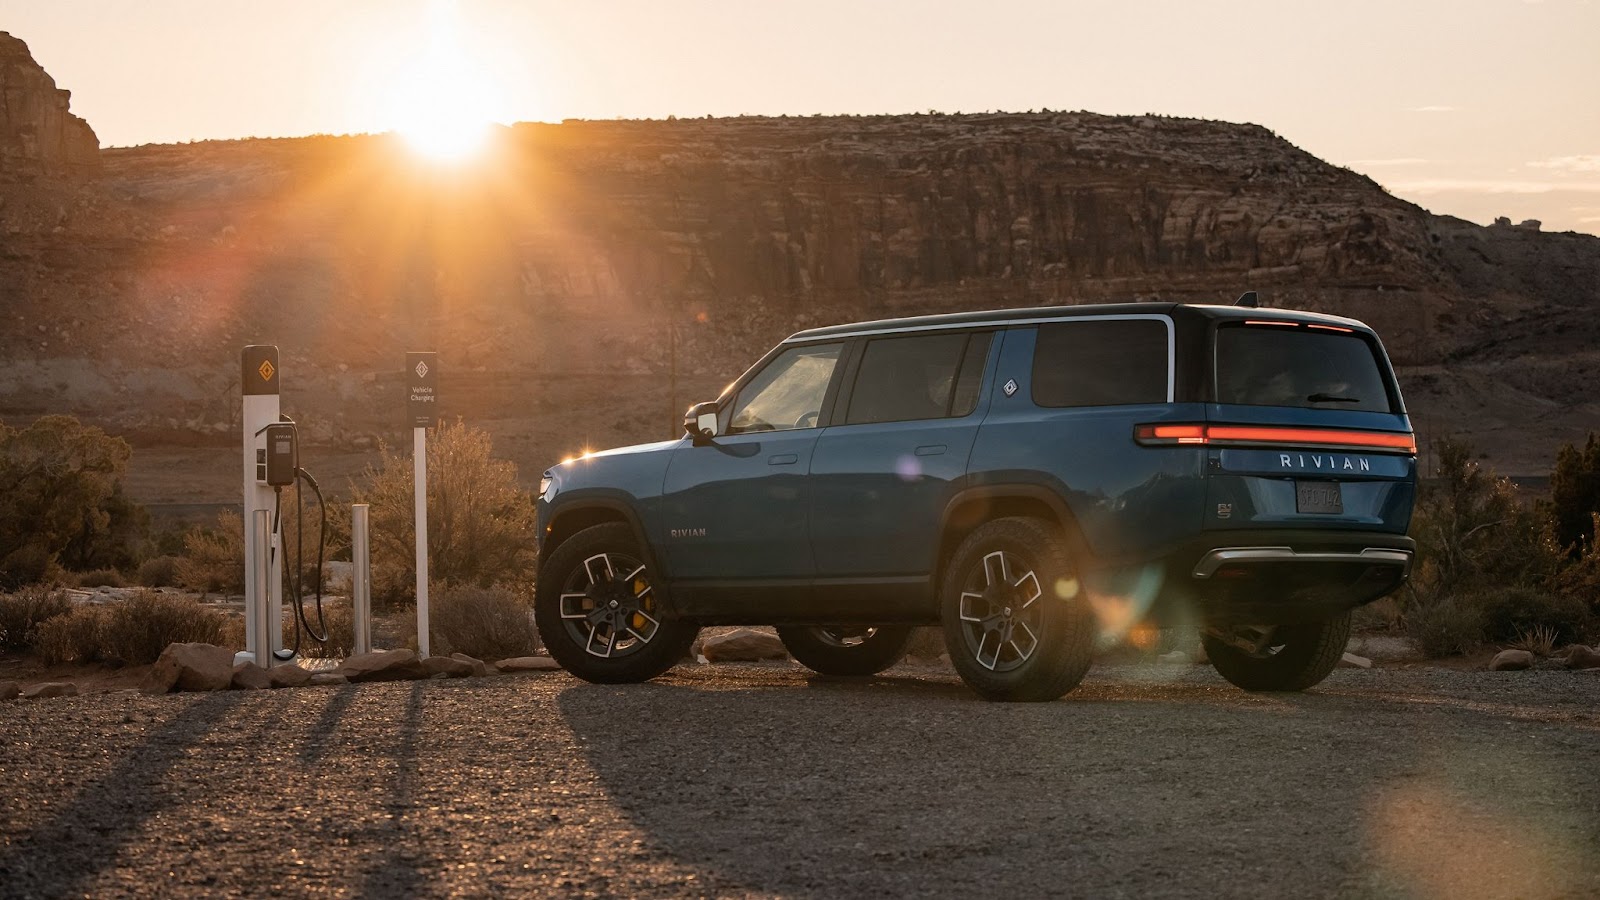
1273	435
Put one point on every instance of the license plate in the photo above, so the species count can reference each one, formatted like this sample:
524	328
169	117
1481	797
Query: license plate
1318	497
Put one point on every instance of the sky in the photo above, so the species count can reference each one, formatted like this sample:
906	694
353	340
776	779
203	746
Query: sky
1473	108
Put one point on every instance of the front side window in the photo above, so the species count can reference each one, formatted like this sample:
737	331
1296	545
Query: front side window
906	378
1278	365
788	393
1101	362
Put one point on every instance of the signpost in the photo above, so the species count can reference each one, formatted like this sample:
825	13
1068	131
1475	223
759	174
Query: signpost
422	407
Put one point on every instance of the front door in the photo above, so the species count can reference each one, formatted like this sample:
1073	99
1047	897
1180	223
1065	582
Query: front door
735	508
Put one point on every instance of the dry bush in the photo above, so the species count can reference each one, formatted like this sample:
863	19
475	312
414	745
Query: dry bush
1445	627
339	620
24	611
159	571
1539	640
78	636
139	628
29	564
213	558
480	520
101	578
1510	611
488	623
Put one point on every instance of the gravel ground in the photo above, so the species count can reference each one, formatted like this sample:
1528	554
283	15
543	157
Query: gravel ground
763	780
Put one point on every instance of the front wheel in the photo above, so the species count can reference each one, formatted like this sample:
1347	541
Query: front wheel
597	612
851	650
1285	658
1016	623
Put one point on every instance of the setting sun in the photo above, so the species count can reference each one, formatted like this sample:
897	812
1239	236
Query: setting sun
442	102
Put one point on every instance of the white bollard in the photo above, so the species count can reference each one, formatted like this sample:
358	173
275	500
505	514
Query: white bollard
260	601
361	576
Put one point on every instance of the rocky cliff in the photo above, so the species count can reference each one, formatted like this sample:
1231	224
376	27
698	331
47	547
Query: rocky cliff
569	274
38	134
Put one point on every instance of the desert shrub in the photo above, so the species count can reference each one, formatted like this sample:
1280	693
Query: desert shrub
489	623
1575	494
1511	611
1444	627
61	497
1539	640
339	619
480	520
29	564
78	636
213	558
159	571
22	612
139	628
101	578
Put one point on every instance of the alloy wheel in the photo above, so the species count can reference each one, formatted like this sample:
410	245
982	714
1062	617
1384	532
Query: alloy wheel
608	606
1000	615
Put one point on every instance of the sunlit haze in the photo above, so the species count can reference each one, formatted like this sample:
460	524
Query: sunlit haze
1476	108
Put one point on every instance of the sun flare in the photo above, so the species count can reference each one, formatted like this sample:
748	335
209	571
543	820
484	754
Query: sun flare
441	102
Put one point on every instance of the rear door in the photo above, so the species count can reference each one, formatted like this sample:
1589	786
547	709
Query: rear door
1309	428
882	475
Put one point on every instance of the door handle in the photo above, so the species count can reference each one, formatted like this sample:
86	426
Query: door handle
930	450
783	459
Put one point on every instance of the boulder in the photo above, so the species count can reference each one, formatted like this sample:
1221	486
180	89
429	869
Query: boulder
10	690
321	678
191	667
744	645
444	665
1511	661
247	676
479	667
1582	657
288	676
384	665
528	664
50	689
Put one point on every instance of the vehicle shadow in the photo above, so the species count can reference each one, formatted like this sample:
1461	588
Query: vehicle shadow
814	787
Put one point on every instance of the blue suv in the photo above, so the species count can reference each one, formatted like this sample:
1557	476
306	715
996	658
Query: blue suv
1026	478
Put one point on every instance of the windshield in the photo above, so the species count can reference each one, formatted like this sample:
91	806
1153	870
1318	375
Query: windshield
1261	365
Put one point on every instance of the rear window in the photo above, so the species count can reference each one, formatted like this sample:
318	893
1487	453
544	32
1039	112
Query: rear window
1281	366
1101	362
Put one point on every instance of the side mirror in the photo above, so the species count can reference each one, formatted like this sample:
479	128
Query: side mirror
700	422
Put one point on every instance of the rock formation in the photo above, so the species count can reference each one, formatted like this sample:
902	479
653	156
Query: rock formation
38	135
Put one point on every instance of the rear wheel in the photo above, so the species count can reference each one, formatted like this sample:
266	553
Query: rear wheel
1284	658
597	611
846	649
1016	623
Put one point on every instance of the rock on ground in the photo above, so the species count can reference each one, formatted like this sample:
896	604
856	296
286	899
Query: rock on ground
744	645
480	668
528	664
191	667
1352	661
1579	656
288	676
445	665
321	678
250	677
50	689
10	690
1511	661
384	665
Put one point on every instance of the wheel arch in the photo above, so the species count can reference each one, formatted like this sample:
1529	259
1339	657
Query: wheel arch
573	518
974	506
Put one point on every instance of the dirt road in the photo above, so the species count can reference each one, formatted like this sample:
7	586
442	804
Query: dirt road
1146	782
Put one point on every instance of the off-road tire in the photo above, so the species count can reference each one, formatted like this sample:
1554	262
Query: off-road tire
1064	642
1304	656
813	648
667	644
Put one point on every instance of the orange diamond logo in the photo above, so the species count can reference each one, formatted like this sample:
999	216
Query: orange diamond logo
266	370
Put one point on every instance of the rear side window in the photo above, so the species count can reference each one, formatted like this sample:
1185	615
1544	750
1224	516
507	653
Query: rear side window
1106	362
906	378
1280	366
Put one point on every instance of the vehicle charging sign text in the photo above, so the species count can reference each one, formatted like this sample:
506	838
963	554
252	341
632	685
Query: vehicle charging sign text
422	389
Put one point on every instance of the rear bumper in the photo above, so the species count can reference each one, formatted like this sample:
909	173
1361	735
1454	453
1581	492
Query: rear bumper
1280	577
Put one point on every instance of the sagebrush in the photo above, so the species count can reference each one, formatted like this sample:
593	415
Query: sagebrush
140	627
488	623
22	612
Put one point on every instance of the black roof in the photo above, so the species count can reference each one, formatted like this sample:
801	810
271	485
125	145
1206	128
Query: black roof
1003	316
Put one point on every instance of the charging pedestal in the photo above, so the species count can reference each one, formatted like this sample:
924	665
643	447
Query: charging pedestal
259	379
